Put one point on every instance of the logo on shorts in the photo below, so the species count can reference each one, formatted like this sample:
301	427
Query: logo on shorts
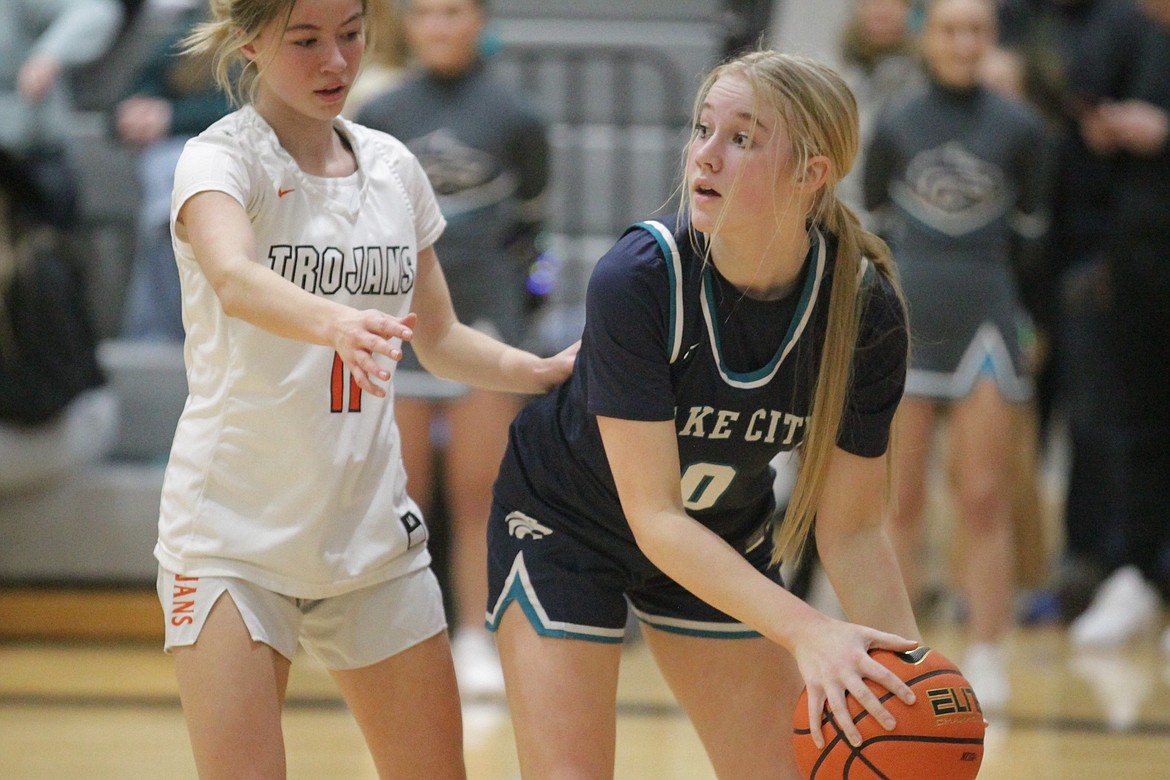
183	594
521	525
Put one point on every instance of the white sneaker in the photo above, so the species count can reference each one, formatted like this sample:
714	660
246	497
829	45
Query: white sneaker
477	665
1125	606
985	667
1121	682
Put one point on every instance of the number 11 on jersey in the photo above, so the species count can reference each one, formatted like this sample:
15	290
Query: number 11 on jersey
338	386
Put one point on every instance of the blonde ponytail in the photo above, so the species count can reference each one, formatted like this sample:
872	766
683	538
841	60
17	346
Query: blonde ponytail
847	297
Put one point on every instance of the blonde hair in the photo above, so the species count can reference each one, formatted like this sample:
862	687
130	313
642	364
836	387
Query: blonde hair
820	113
234	24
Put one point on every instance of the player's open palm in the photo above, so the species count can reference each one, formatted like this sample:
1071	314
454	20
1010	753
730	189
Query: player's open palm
833	657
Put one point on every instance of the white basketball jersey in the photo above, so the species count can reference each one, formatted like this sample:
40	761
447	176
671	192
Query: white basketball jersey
282	470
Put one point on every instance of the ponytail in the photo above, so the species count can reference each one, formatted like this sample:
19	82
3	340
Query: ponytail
847	298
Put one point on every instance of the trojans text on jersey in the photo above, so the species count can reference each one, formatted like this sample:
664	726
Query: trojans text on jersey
369	270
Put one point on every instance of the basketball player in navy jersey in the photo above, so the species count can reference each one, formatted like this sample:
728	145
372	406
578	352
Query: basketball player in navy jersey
761	319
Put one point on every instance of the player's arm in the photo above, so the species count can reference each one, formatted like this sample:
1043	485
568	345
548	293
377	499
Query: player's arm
221	236
854	549
832	655
452	350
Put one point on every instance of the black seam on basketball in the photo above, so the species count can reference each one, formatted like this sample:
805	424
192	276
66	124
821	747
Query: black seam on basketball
829	745
921	738
911	682
865	760
859	753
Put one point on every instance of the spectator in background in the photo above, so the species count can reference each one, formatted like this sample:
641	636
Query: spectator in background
39	41
385	63
1064	291
486	154
173	98
959	171
55	413
879	61
1122	93
1003	70
745	24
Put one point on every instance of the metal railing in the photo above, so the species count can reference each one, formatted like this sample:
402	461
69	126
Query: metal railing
618	118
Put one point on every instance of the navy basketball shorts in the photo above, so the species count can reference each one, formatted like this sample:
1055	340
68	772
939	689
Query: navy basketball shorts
571	589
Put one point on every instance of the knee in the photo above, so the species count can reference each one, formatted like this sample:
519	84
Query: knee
985	504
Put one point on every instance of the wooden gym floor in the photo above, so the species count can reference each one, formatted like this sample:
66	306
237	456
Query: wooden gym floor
86	693
103	708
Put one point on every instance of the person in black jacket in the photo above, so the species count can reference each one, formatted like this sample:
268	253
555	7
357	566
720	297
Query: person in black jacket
1123	97
55	413
1064	291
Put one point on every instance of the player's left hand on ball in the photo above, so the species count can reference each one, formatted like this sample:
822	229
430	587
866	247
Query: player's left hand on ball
364	334
834	661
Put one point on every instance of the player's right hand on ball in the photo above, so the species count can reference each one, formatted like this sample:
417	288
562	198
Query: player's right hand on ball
833	657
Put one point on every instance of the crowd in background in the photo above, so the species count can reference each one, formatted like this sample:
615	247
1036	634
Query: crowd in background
1086	247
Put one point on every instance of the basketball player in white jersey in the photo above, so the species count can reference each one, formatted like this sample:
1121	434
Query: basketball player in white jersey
304	245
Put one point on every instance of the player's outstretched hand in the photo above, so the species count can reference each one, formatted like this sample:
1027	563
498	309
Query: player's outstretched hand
833	657
360	335
556	369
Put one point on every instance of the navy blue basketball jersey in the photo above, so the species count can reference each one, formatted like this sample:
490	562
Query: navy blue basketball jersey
667	338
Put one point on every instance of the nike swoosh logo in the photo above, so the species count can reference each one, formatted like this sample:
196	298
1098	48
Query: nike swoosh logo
280	193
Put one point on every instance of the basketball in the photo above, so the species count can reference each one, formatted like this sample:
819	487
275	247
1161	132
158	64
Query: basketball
939	736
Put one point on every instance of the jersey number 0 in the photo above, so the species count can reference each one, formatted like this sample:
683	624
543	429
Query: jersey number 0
704	483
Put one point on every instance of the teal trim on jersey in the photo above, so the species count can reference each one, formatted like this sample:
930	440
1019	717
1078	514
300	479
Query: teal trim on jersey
519	590
800	320
670	254
698	628
517	594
